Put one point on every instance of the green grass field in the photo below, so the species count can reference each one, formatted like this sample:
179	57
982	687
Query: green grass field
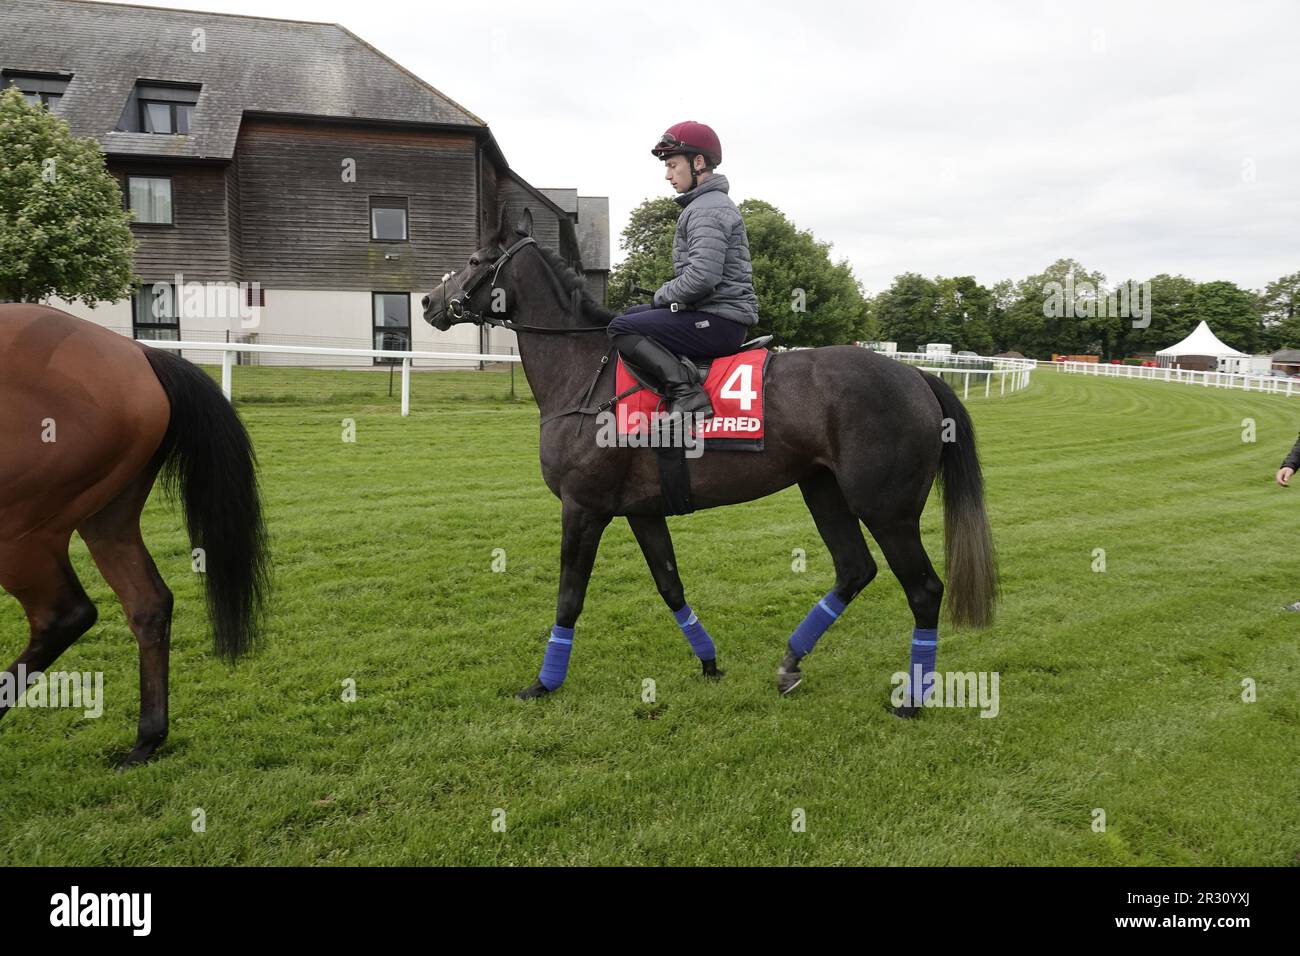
1119	690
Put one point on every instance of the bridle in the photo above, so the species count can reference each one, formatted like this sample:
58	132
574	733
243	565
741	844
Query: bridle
457	306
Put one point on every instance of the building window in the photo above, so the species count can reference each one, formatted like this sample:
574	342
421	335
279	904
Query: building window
392	323
155	312
46	99
162	108
150	198
162	117
39	88
388	218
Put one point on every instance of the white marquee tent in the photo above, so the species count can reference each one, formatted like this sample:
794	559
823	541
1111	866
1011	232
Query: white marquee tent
1201	341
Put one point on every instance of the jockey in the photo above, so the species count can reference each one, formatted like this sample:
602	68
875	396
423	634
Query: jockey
707	309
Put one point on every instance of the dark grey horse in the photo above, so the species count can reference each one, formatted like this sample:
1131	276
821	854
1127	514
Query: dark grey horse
861	434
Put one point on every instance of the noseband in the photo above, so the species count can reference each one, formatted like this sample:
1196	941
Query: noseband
456	306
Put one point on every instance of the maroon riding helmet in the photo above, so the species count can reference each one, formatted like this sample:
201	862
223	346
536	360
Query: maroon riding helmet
688	139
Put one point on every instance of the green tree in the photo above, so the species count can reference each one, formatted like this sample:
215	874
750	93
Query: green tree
1231	312
871	329
1279	309
1172	314
648	242
962	314
63	230
906	311
803	297
1001	295
1056	310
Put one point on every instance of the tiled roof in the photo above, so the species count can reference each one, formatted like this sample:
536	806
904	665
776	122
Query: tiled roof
249	64
566	199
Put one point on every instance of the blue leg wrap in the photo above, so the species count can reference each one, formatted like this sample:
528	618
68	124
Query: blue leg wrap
555	663
822	616
925	647
695	633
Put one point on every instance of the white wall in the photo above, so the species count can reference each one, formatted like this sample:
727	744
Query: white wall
305	317
114	315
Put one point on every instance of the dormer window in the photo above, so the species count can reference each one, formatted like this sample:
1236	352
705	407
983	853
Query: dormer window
162	108
39	88
163	116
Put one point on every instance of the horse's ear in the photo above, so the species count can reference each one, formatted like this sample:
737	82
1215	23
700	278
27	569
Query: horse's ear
525	227
501	225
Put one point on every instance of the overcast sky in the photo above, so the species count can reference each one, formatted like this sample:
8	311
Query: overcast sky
948	138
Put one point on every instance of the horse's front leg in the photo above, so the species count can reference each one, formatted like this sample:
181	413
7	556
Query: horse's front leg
579	542
657	545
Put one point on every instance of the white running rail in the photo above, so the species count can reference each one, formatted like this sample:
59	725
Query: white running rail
1013	373
1248	383
228	350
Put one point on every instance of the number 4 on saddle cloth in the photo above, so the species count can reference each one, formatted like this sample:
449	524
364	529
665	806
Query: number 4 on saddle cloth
734	384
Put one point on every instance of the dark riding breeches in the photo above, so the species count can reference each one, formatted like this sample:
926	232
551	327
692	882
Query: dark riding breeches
693	334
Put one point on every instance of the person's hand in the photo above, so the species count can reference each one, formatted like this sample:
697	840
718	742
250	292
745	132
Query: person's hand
1284	476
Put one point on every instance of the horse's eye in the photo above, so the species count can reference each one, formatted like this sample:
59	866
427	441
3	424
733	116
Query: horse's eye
473	260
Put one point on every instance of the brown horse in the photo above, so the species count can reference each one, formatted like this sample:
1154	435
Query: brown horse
88	420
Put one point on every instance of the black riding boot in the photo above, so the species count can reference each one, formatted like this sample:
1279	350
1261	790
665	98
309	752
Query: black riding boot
672	379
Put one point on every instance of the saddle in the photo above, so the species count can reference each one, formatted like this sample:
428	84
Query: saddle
696	368
674	476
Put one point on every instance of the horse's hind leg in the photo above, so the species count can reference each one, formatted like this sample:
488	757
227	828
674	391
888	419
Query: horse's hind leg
113	537
651	533
854	570
901	544
38	573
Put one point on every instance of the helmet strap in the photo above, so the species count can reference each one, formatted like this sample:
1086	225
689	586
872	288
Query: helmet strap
695	176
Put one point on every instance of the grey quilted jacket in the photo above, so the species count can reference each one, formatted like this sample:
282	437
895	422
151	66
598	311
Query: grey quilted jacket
711	256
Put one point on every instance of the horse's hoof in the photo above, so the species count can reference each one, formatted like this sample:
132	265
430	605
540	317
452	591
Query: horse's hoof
788	675
711	669
533	691
907	712
140	754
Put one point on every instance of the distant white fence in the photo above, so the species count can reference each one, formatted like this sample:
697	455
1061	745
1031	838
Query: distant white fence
1248	383
228	350
1013	374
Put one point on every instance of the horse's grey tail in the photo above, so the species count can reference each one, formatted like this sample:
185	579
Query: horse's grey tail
972	587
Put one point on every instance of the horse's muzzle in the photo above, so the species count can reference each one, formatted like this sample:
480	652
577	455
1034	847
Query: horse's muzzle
434	313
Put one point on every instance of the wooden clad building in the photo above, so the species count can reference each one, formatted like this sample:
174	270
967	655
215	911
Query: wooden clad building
288	154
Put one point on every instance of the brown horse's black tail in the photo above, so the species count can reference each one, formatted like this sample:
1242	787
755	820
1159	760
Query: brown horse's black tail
972	587
209	460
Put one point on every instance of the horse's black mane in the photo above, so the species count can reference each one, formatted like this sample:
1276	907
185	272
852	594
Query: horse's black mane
570	280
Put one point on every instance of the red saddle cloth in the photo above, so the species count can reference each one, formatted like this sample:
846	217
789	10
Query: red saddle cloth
735	387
